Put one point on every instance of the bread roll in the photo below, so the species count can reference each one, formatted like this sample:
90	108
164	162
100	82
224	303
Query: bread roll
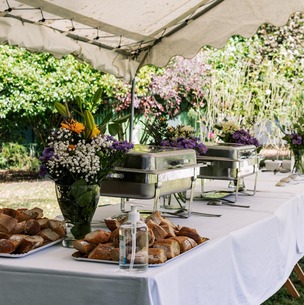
156	256
49	235
17	239
6	246
112	224
151	237
25	214
114	238
83	246
9	212
30	243
102	252
19	228
170	246
4	235
166	221
58	226
7	223
170	230
114	254
155	217
32	227
43	222
141	257
158	231
192	233
185	243
37	212
97	237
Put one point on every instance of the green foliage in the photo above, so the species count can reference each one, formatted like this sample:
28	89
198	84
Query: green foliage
16	156
254	78
248	80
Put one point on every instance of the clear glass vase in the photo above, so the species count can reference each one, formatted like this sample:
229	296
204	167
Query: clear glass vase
298	166
78	204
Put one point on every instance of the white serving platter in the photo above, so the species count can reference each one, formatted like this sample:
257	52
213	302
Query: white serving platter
12	255
84	259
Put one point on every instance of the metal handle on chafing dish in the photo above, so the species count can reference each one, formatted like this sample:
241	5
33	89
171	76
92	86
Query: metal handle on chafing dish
178	162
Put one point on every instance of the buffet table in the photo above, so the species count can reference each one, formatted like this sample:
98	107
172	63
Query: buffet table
250	255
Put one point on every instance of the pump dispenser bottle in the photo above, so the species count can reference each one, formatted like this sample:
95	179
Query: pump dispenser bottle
133	243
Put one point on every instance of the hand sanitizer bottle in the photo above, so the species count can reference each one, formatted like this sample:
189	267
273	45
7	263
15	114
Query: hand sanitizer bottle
133	243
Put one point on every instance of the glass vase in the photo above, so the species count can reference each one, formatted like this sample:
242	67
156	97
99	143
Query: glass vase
298	166
78	204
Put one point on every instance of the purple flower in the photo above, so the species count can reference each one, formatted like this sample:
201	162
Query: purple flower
296	139
42	170
186	143
47	154
243	137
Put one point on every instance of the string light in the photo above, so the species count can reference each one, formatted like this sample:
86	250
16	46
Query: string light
97	40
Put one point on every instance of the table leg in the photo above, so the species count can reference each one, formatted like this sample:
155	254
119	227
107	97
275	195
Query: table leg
298	270
292	289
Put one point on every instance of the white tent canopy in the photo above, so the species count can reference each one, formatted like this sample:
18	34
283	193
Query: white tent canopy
118	36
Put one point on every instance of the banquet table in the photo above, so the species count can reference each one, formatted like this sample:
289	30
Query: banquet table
248	257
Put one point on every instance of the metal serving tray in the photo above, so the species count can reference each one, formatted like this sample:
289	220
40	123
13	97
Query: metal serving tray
151	172
229	161
155	158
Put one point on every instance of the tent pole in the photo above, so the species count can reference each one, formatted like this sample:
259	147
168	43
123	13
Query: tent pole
132	109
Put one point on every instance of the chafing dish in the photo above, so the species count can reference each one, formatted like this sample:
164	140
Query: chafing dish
230	162
150	172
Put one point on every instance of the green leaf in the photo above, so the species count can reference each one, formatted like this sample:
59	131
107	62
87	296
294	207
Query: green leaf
113	129
79	103
89	121
85	199
97	96
106	119
78	188
121	119
62	109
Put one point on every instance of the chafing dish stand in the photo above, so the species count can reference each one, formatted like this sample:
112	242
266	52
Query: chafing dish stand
152	173
230	162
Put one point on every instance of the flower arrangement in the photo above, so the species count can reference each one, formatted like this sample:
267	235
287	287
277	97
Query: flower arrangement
182	136
79	151
229	132
78	157
294	136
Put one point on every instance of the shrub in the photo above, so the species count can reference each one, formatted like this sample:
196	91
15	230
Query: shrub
16	156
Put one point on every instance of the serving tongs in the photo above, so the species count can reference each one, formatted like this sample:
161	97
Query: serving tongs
220	202
181	213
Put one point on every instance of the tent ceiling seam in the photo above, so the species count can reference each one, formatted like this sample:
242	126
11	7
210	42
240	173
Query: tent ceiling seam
93	23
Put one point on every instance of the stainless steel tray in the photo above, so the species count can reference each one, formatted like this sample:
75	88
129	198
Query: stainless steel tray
153	158
233	151
229	162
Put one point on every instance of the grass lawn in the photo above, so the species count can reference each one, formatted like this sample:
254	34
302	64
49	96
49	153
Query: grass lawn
42	194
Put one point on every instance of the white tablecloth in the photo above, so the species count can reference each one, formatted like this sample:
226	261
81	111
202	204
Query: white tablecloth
250	254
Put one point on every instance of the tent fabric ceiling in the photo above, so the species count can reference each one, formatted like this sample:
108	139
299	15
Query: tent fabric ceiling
118	36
